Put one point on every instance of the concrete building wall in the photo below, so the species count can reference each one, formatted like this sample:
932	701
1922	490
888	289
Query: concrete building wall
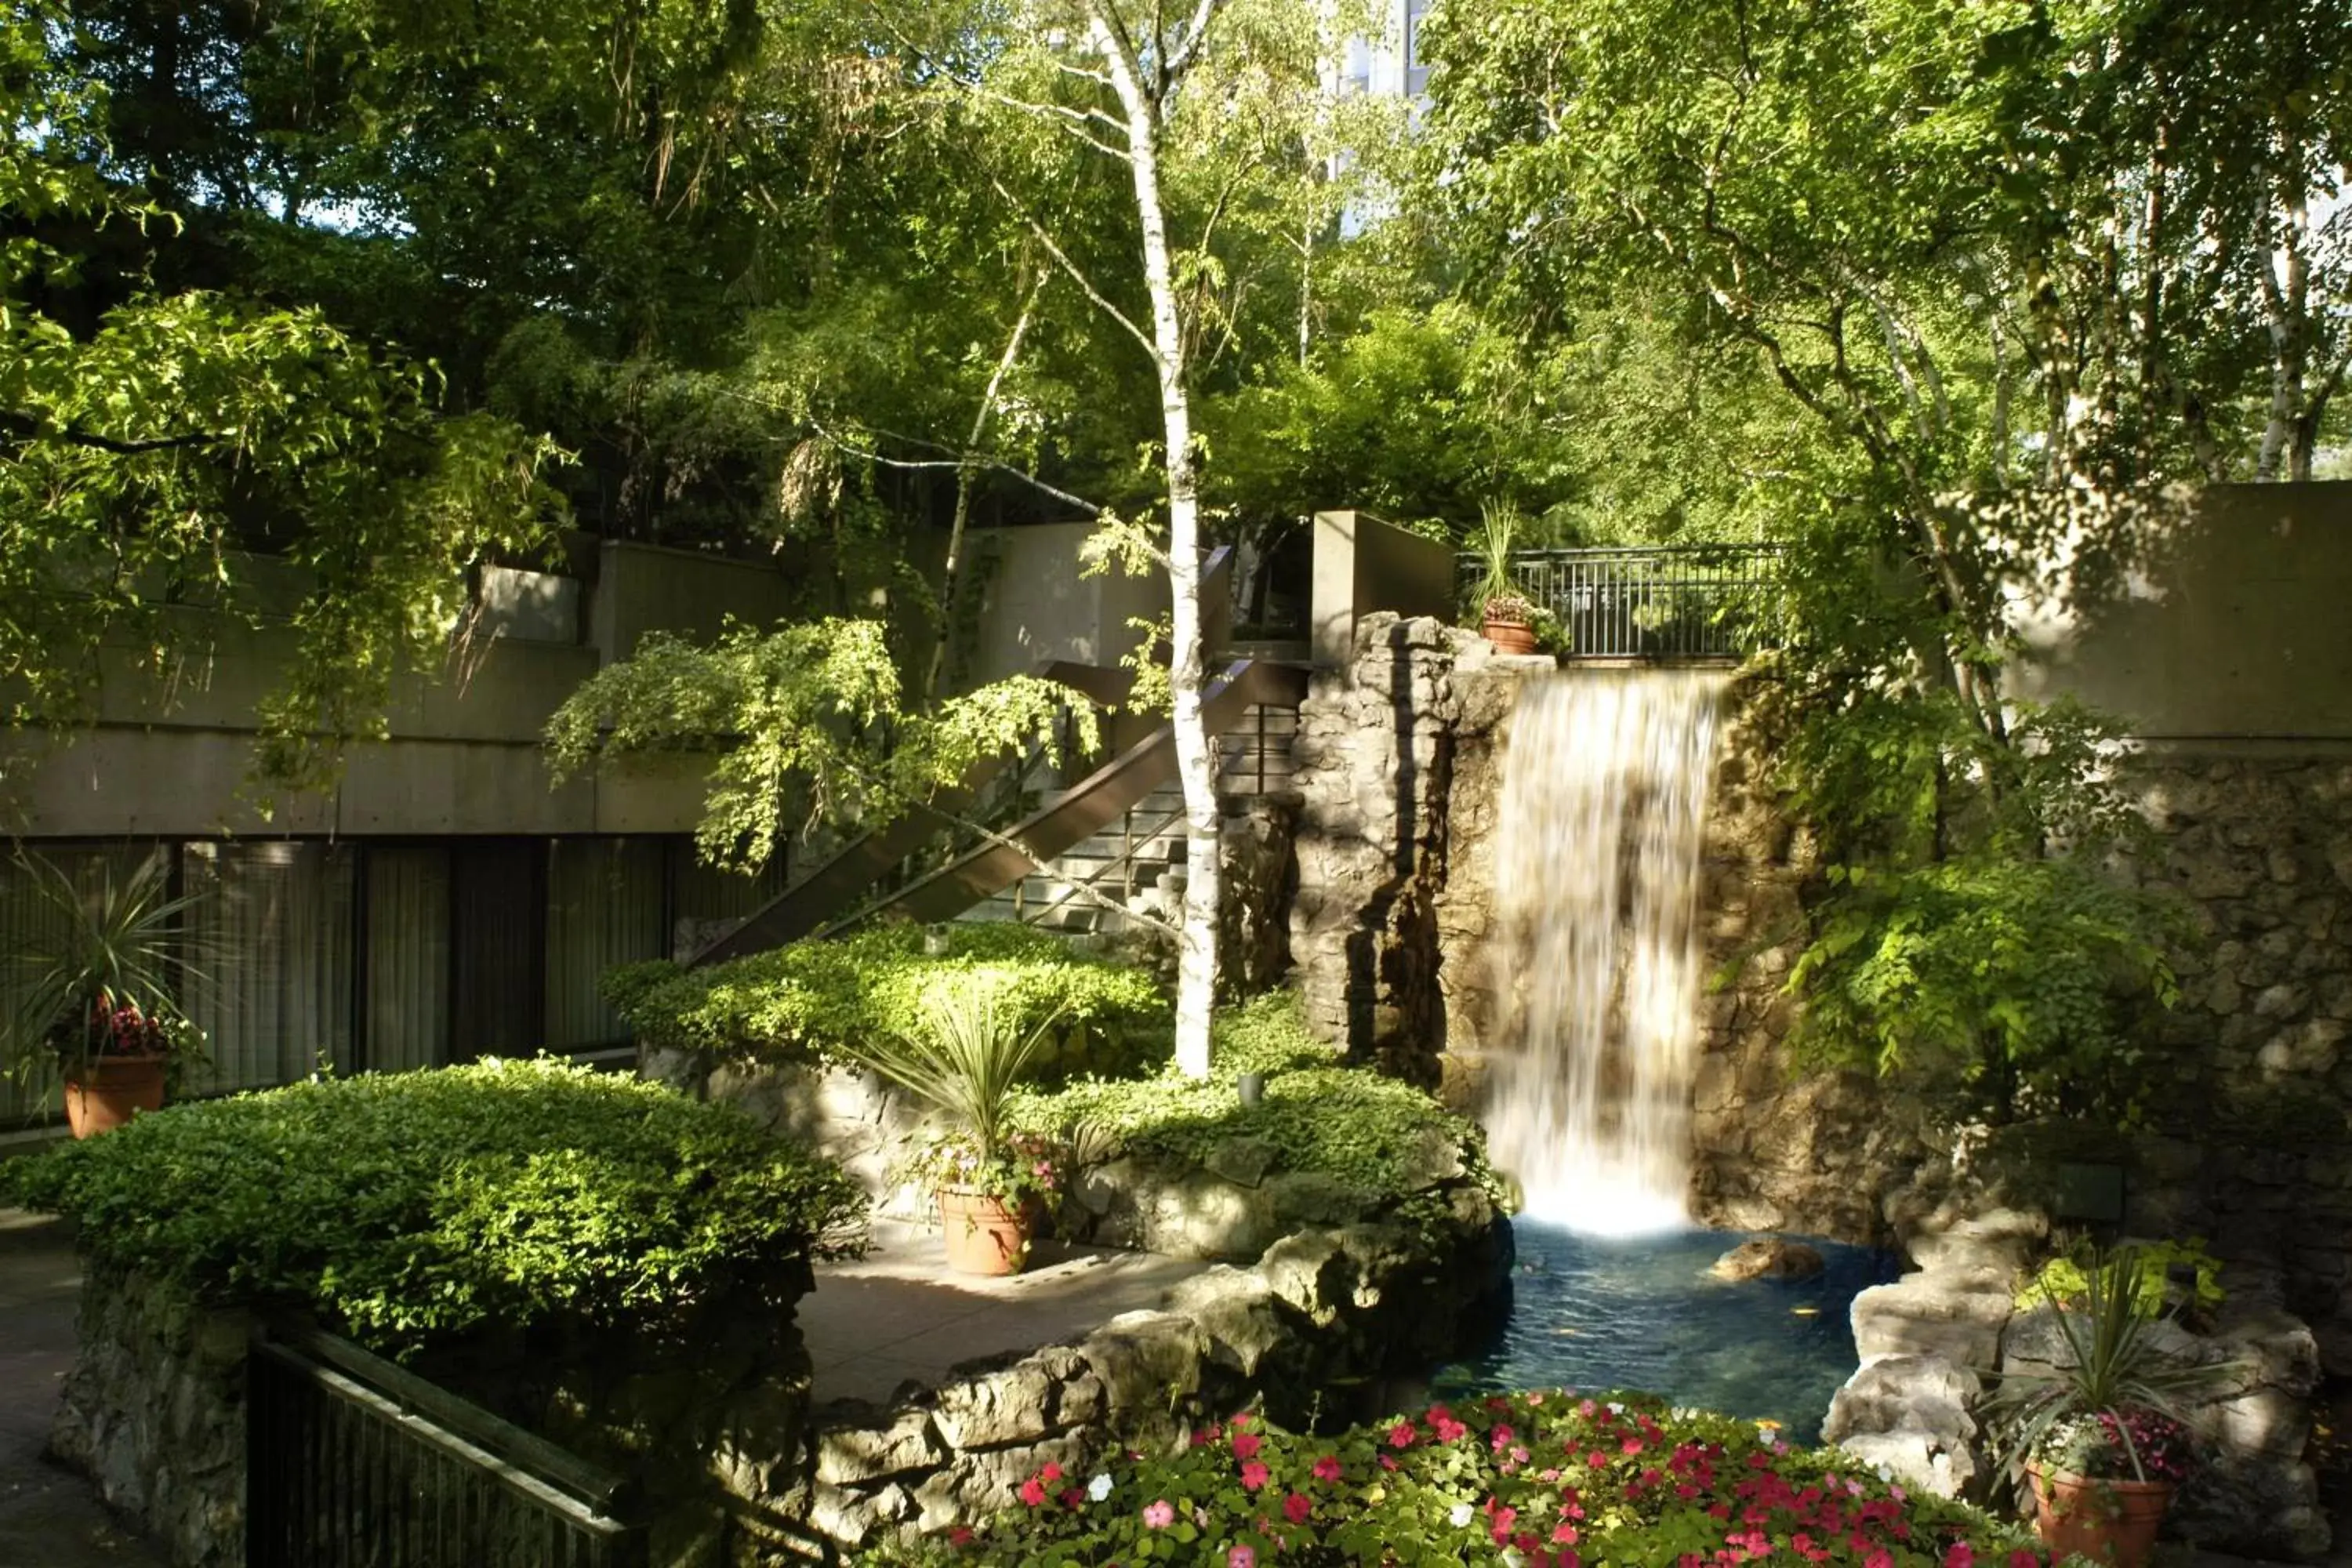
171	750
2227	616
1034	606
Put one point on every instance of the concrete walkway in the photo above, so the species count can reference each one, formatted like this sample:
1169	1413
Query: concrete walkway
897	1315
48	1517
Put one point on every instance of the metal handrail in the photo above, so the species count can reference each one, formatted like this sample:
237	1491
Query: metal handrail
1680	601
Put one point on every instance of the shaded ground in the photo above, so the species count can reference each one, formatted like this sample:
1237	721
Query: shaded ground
898	1314
48	1517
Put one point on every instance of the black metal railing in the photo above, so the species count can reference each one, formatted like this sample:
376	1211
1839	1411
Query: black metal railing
352	1462
1700	601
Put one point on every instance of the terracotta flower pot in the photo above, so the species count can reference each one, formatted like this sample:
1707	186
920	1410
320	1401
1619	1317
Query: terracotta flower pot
985	1235
2110	1522
1510	636
101	1096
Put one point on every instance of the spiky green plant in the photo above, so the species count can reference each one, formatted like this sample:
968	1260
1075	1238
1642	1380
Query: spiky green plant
964	1054
2114	1365
1500	524
122	944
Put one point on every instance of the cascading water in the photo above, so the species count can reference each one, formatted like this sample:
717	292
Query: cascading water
1604	795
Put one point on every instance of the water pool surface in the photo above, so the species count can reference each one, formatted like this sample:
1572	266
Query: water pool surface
1595	1312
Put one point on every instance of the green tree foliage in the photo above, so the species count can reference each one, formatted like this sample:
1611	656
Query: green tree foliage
808	716
147	439
1949	292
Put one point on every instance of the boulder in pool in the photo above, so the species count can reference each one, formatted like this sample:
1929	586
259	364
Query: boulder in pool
1769	1258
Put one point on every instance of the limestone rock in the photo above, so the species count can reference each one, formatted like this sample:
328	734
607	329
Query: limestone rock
1920	1316
1769	1258
993	1411
846	1455
1909	1413
1916	1459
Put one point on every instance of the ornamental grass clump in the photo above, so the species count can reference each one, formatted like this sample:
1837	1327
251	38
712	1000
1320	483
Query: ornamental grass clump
410	1208
1542	1480
2111	1407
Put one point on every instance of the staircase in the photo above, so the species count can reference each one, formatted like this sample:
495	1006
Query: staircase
1137	860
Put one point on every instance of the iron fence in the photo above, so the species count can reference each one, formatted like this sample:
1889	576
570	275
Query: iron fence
1655	602
352	1462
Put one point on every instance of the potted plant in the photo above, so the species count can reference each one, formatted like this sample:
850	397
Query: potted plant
964	1057
1505	615
97	1003
2101	1437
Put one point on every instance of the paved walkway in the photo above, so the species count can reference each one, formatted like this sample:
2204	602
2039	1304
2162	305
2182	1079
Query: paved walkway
48	1516
897	1315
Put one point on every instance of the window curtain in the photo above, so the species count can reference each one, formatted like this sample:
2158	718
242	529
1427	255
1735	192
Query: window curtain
407	1009
274	922
605	907
31	930
710	903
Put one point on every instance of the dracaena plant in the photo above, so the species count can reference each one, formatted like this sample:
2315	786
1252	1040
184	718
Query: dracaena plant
966	1052
2115	1375
98	975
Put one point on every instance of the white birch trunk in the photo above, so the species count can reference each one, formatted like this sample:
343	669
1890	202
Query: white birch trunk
1196	970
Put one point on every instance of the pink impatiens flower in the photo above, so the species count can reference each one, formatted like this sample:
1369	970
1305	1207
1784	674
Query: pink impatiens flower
1402	1434
1960	1555
1296	1507
1255	1475
1326	1468
1159	1515
1246	1445
1241	1557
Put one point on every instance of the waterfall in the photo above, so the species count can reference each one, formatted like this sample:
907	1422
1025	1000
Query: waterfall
1604	803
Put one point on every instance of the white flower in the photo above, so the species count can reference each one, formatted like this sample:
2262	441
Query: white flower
1462	1515
1099	1487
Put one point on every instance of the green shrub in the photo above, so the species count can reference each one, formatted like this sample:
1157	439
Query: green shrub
1373	1134
819	998
408	1208
2065	1281
1548	1480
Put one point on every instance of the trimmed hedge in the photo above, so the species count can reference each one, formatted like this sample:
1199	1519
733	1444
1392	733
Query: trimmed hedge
1373	1134
1541	1481
406	1208
807	998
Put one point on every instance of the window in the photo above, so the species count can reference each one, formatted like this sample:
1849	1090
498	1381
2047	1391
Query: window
605	906
272	922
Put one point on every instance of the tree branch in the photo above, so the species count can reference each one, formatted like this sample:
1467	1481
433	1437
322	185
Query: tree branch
1086	285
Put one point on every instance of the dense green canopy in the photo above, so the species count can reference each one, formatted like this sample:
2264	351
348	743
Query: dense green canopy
1912	288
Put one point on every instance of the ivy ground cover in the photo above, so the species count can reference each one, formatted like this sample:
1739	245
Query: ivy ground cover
1534	1480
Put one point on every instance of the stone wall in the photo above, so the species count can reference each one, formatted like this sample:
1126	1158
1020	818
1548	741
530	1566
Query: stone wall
711	1424
714	1425
1374	759
1322	1312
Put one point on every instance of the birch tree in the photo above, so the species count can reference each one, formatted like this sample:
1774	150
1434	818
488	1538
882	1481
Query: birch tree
1192	107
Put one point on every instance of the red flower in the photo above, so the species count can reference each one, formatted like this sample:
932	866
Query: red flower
1296	1507
1402	1434
2021	1558
1072	1497
1960	1555
960	1535
1499	1438
1501	1527
1326	1468
1255	1475
1032	1493
1246	1445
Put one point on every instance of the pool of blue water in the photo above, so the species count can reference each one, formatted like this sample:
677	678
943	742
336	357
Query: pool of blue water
1595	1312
